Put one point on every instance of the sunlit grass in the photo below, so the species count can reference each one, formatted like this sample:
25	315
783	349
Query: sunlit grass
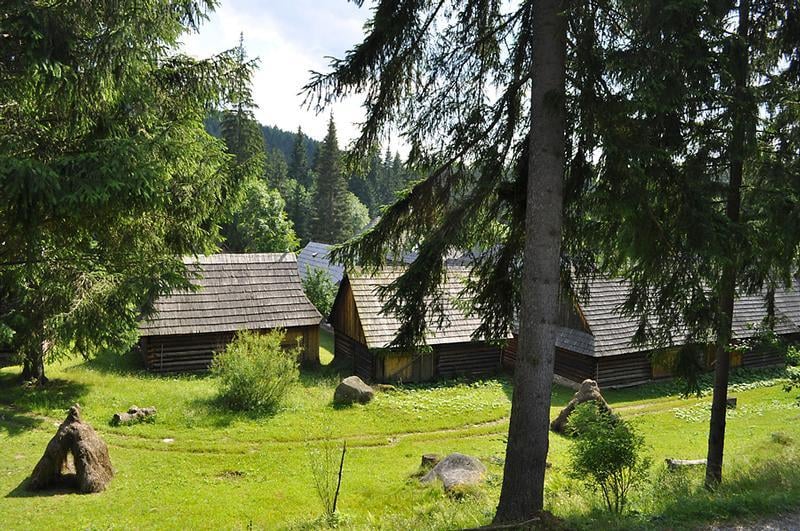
226	470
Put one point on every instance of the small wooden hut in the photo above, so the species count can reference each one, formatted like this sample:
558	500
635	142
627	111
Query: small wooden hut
235	292
363	334
596	341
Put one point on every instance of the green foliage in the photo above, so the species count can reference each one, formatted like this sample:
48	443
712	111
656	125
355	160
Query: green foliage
793	356
299	169
107	177
255	372
320	290
794	381
356	215
261	223
606	453
298	208
275	168
331	218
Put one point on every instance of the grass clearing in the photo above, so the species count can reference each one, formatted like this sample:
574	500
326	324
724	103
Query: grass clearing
237	470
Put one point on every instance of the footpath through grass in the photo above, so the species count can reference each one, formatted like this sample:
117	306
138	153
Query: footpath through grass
198	466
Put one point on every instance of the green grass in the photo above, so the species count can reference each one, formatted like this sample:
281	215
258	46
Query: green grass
226	470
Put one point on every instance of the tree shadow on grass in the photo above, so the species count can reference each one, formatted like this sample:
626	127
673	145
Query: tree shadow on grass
218	414
68	484
112	362
20	404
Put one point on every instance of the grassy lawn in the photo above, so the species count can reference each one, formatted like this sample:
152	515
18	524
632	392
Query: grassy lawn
224	470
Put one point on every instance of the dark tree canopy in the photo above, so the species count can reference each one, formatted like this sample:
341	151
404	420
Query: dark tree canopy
675	115
107	176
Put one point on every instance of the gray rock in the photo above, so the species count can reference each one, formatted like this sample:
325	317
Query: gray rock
456	470
352	390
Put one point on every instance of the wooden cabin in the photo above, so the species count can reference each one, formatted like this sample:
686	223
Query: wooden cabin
363	334
595	341
235	292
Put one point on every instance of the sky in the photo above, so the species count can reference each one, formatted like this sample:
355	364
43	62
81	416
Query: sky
290	38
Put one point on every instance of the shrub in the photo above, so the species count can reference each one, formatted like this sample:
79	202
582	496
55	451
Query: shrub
794	380
320	290
793	356
255	373
606	454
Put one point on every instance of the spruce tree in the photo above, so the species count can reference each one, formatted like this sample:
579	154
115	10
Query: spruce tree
298	167
330	205
650	101
107	176
433	67
696	199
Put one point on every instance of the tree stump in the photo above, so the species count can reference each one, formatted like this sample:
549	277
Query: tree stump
89	453
134	414
588	391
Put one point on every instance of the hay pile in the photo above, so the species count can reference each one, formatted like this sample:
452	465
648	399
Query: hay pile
92	471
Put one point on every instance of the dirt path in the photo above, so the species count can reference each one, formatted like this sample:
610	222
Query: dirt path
783	522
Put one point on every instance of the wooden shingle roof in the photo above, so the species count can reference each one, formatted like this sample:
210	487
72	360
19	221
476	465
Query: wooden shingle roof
315	255
237	291
613	333
380	329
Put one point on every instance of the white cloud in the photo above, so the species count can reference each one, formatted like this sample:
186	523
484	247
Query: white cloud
289	42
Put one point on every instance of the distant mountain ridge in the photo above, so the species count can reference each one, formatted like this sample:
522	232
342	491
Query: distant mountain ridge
283	141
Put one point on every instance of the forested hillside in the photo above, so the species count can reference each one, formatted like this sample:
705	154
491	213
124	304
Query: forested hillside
292	166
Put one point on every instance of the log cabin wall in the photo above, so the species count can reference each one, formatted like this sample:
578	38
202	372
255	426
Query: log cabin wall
195	352
467	359
762	356
570	365
364	362
510	353
623	370
344	316
575	367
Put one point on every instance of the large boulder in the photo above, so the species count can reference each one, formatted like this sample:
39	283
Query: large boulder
352	390
89	454
456	470
588	391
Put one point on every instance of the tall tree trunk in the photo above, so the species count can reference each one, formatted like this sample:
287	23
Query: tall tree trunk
522	495
727	290
33	364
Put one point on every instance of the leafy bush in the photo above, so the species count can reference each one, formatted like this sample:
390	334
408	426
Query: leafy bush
794	380
320	290
255	373
793	356
606	454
